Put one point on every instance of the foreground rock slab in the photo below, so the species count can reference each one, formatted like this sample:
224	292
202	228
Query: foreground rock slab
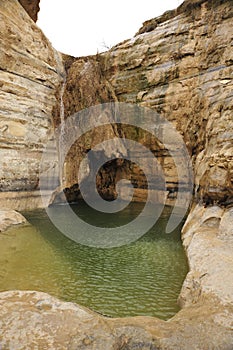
35	320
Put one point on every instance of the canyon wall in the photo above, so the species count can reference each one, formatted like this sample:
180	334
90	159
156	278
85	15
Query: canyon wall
179	65
30	73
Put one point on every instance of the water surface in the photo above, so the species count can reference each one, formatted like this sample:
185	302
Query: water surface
142	278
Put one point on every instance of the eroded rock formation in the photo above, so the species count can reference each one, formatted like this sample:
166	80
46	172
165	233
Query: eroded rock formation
181	67
53	324
30	72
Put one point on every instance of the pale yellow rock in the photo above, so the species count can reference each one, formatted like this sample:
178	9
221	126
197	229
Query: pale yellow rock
208	239
9	218
30	73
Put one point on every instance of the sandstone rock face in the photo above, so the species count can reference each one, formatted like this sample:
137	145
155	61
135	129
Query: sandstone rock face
30	72
186	7
183	70
181	67
32	7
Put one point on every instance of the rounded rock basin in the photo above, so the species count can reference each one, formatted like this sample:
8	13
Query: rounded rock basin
141	278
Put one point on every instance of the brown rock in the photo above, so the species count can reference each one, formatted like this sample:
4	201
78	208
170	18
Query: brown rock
32	7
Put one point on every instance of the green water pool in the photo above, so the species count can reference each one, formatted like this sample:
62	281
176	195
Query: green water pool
141	278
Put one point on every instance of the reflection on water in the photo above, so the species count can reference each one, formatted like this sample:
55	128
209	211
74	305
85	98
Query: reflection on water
142	278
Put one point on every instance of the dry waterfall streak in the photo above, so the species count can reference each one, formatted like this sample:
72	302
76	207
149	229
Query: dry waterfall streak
122	114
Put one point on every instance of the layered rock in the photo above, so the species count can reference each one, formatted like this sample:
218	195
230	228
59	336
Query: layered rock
30	72
181	67
183	70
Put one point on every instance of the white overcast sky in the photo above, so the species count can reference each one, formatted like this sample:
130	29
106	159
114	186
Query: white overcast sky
81	28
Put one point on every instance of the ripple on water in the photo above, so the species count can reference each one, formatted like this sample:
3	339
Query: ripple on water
143	278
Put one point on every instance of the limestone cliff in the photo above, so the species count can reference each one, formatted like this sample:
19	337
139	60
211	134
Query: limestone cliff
30	72
179	65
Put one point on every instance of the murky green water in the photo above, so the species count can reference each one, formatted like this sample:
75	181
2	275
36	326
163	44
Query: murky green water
143	278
